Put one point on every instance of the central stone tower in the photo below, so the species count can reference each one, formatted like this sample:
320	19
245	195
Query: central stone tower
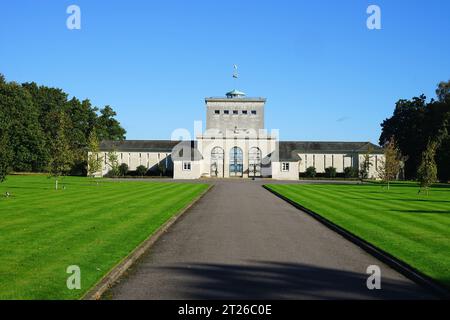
234	112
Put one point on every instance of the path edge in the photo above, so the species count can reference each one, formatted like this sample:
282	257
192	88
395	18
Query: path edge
106	282
385	257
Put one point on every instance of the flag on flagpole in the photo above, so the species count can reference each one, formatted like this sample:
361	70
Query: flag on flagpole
235	74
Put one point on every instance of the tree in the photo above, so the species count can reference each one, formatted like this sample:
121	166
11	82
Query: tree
19	119
408	127
427	172
123	169
5	155
113	161
389	167
94	161
28	113
5	149
330	172
141	170
82	123
161	168
414	123
310	172
61	157
366	164
443	90
350	172
82	118
108	127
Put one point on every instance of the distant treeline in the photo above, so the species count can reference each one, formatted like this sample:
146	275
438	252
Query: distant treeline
415	124
33	117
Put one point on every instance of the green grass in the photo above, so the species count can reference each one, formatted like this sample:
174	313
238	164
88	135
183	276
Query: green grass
43	231
412	227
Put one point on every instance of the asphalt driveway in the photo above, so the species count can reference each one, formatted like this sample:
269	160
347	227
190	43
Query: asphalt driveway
242	242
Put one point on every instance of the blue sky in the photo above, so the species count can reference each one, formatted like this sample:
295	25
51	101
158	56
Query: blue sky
325	75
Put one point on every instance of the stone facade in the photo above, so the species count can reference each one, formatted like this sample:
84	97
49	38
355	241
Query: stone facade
236	145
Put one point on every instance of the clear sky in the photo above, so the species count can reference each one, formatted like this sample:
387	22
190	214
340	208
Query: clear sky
325	75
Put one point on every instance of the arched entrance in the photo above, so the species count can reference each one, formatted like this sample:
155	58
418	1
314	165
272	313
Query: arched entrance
236	162
217	157
254	162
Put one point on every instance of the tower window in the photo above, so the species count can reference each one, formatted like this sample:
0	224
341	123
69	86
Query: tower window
253	111
235	112
226	111
216	111
244	112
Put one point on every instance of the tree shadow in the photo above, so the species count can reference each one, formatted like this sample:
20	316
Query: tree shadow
397	199
274	280
423	211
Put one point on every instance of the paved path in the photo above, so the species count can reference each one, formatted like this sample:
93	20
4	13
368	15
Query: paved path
242	242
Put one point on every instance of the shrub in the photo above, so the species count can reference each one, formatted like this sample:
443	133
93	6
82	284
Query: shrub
141	170
123	169
311	172
330	172
350	172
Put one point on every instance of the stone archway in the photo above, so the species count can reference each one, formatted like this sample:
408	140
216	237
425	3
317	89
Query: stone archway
217	163
236	162
254	162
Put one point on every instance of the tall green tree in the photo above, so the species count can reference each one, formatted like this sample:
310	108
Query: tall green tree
82	122
365	165
443	90
113	161
414	123
5	149
19	118
28	111
407	126
389	167
108	128
427	172
61	156
94	162
5	154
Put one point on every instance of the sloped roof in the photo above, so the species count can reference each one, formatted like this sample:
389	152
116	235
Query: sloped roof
186	151
286	150
138	145
180	150
289	150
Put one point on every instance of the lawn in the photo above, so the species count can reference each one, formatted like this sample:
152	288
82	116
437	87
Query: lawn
412	227
93	226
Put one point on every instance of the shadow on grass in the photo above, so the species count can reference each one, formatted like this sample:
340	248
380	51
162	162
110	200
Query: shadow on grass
274	280
397	199
410	185
423	211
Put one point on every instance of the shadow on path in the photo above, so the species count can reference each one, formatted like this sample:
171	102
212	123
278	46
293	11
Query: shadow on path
273	280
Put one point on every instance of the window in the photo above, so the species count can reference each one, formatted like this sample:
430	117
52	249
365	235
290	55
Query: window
244	112
285	166
253	112
226	111
187	166
235	112
216	111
